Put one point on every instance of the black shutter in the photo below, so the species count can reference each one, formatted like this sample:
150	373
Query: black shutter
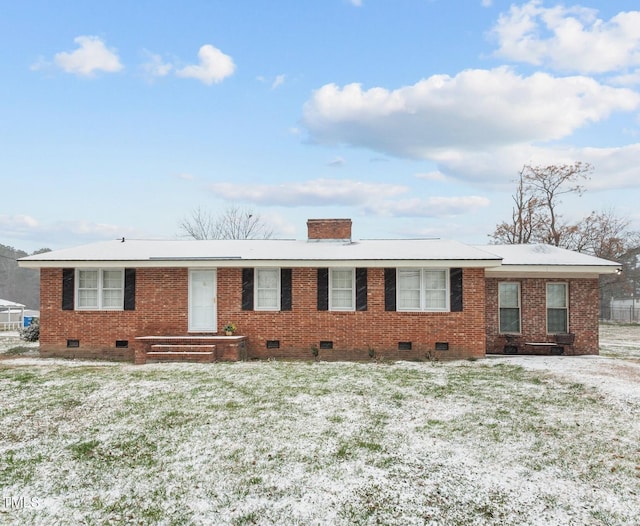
129	289
68	288
389	289
285	289
361	289
323	289
247	289
455	282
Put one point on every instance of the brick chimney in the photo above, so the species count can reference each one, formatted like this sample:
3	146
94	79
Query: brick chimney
329	229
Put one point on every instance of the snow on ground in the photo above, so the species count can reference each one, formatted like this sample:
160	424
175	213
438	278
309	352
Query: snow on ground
509	440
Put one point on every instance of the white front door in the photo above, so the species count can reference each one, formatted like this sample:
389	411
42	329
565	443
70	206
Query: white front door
202	300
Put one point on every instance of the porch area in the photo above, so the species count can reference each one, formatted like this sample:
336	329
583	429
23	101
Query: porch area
188	348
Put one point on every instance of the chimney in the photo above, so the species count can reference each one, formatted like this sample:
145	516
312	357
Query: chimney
329	230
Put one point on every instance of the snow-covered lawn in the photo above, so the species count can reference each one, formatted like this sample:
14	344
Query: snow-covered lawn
510	440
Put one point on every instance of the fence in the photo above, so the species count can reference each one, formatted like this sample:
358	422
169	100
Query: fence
624	314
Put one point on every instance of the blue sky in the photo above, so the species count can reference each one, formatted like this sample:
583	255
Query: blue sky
412	117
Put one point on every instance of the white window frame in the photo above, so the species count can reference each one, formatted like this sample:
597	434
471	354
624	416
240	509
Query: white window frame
256	280
353	289
519	307
100	289
423	299
566	307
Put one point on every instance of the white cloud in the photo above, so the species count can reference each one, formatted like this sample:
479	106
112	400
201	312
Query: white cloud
91	56
487	3
337	162
431	176
214	66
156	66
429	207
185	176
356	3
475	110
569	38
613	167
317	192
29	229
278	81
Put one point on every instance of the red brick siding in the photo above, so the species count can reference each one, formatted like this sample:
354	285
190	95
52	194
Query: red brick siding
162	309
583	314
329	228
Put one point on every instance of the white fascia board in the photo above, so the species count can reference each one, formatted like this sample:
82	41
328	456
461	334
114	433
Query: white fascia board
240	263
550	271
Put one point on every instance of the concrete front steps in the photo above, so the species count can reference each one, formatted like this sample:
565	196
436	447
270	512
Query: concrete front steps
198	349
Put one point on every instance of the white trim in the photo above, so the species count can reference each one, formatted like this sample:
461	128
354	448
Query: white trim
519	285
353	290
546	304
423	308
100	289
281	263
256	271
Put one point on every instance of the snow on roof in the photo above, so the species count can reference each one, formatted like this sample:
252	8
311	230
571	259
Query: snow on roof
240	252
539	257
13	304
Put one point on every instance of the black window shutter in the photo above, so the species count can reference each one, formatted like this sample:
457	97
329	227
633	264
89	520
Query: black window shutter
285	289
455	281
247	289
389	289
68	288
323	289
129	289
361	289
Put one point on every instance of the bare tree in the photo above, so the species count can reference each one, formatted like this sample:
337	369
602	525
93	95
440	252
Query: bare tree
535	216
525	218
232	223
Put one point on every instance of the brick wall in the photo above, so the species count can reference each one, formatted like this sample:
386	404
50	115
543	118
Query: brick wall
162	309
583	314
329	229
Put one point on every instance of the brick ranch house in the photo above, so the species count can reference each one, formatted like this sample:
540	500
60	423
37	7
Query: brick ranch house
326	297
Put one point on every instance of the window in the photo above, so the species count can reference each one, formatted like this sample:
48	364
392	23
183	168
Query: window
509	307
422	290
100	289
557	308
342	291
267	289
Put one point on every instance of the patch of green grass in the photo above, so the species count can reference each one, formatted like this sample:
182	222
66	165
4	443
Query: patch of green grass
16	351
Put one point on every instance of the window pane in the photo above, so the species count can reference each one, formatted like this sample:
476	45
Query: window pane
434	279
435	297
112	279
88	299
556	295
556	320
509	295
435	300
88	289
112	293
509	320
342	289
267	278
112	299
88	279
408	289
267	289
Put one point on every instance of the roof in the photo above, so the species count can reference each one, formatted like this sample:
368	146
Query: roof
10	304
270	252
496	259
539	258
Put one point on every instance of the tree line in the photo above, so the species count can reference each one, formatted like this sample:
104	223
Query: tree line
20	285
536	217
